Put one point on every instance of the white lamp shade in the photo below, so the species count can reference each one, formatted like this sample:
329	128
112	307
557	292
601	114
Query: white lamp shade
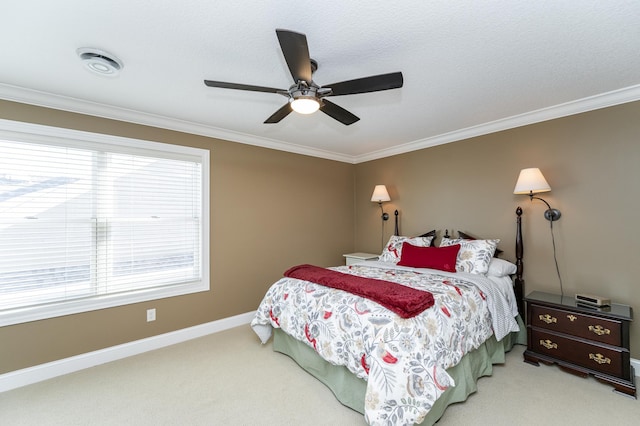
531	181
380	194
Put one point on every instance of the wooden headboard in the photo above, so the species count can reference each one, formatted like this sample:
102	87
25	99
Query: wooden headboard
519	281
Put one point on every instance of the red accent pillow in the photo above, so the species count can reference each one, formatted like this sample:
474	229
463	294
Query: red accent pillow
441	258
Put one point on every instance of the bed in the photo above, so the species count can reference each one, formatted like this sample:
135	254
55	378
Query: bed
401	338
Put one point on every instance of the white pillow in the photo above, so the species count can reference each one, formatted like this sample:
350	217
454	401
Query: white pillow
393	249
474	255
501	268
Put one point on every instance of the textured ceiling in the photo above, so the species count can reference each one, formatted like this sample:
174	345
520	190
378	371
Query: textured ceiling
470	67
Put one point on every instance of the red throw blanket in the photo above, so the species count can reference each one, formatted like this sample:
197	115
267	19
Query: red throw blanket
405	301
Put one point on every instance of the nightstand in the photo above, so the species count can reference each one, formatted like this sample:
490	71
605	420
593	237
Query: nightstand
580	339
352	258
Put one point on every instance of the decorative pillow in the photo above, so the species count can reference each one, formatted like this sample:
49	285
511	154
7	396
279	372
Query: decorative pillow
469	237
474	255
441	258
393	249
501	268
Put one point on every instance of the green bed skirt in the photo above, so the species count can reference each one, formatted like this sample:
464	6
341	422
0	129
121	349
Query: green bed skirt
350	390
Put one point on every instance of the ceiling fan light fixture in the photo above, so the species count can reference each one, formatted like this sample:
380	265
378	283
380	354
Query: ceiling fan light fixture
100	62
305	105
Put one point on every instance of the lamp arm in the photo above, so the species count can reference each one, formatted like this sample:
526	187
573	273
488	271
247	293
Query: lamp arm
551	214
538	198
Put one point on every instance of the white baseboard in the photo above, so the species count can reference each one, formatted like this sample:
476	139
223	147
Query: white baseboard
38	373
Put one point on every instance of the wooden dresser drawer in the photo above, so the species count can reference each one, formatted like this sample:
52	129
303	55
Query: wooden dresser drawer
580	339
577	324
604	359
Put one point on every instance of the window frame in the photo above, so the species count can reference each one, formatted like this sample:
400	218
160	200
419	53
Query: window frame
36	133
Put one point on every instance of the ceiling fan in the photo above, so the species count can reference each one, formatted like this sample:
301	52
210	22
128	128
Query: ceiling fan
305	96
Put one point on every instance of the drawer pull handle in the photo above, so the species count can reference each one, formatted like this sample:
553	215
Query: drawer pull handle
572	318
599	330
548	344
600	359
547	318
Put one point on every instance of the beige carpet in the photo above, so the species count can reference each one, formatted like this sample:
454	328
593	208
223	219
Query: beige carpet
229	378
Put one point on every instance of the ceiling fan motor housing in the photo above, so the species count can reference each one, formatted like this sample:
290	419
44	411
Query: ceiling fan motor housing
304	90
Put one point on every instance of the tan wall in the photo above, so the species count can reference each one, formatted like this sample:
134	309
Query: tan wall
269	211
592	163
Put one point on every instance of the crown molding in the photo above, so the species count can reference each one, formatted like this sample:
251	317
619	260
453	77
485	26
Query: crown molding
34	97
603	100
64	103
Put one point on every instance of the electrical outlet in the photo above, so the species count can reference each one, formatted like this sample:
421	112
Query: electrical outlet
151	315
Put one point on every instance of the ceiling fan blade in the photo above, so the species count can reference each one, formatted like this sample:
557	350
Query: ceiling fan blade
223	85
296	53
337	112
374	83
279	114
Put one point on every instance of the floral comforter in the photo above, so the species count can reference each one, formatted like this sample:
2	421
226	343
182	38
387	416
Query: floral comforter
404	361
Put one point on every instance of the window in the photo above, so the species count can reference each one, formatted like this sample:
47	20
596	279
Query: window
91	221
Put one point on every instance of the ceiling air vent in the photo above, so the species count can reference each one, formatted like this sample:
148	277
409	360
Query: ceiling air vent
100	62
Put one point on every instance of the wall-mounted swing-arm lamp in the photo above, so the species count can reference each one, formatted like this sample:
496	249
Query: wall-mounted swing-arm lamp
531	181
380	195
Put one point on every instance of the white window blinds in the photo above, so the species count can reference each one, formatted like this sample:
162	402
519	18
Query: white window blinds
86	225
